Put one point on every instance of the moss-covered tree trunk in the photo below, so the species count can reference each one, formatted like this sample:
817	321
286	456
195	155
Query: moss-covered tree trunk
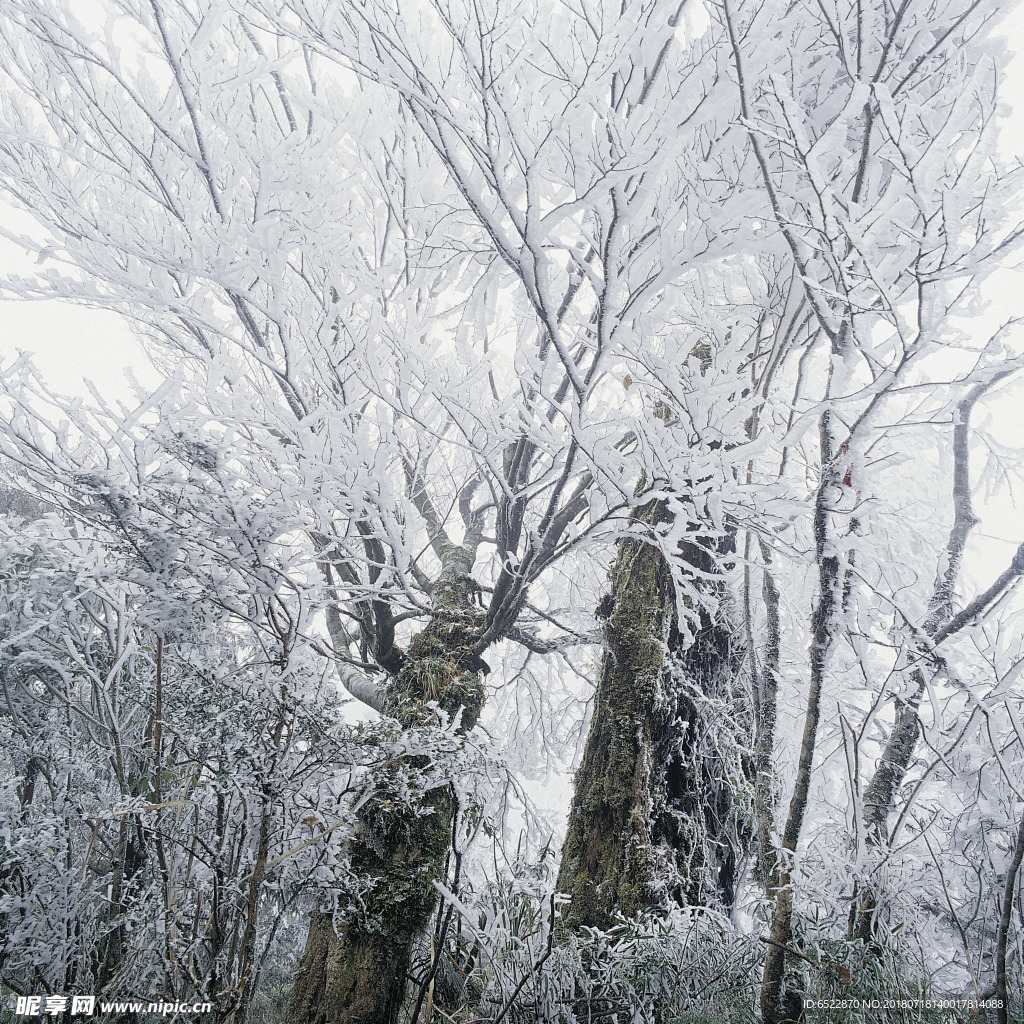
648	821
357	973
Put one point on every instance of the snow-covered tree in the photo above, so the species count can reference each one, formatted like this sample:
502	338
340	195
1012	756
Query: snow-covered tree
459	305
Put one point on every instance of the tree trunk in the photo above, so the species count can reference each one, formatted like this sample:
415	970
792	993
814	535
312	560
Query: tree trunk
880	795
357	974
778	1005
1005	911
647	825
879	798
767	683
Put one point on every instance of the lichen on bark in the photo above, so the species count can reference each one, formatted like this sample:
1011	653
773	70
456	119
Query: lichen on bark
646	817
606	860
353	971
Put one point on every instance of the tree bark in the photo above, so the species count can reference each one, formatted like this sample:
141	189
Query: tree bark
764	737
644	818
357	973
1002	992
777	1006
879	798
